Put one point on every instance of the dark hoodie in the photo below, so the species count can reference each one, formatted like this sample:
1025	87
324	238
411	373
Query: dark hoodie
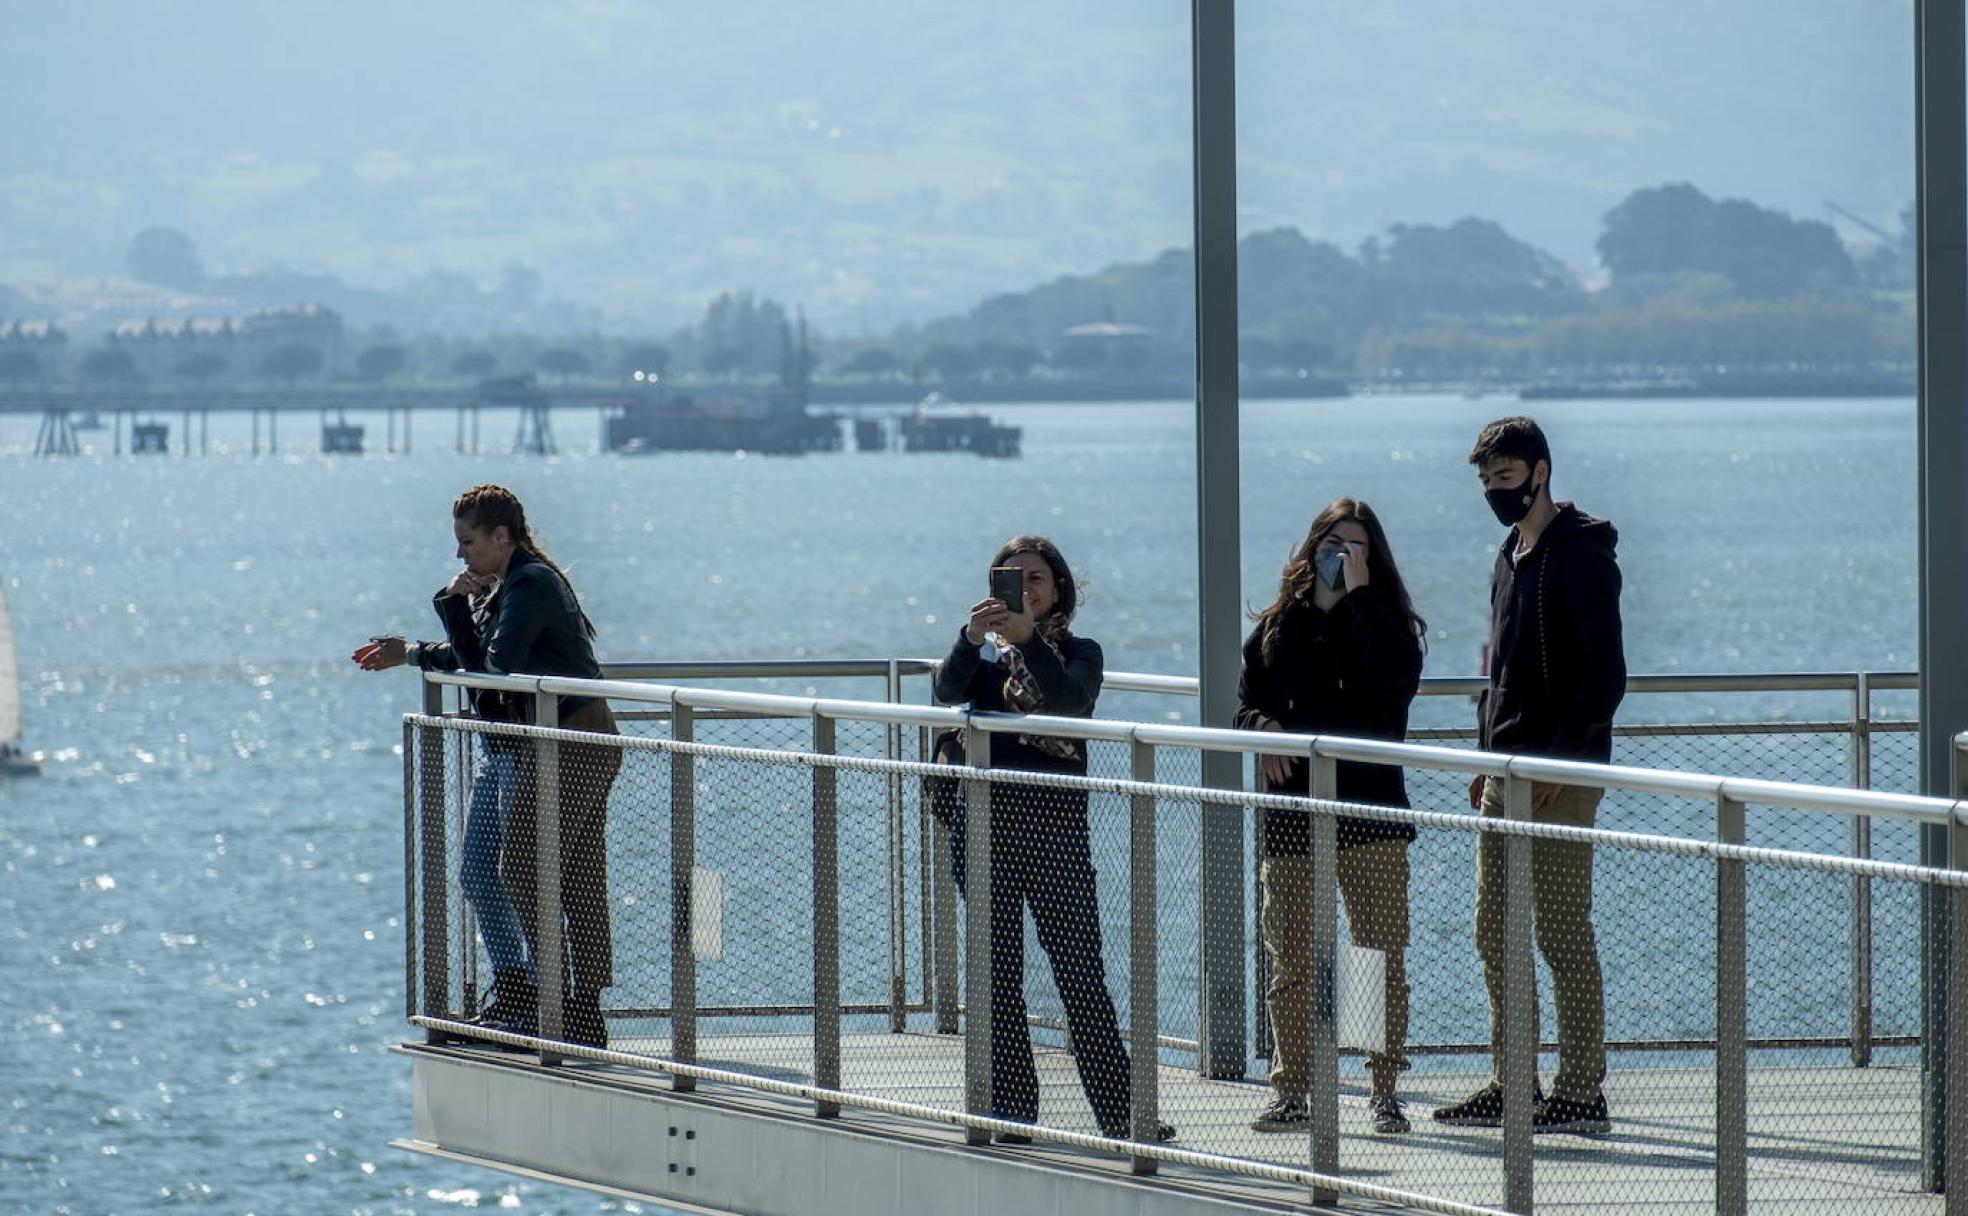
1557	667
1352	671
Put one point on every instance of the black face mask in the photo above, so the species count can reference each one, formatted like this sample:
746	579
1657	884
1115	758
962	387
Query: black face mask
1511	506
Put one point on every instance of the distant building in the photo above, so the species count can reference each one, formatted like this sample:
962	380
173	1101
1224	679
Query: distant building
1104	346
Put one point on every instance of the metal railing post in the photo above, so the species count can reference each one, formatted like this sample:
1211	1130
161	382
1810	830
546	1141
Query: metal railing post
433	872
943	925
1731	1016
1860	837
409	871
1518	1068
550	942
1323	1074
1143	945
977	936
683	870
898	880
826	921
1955	1133
925	875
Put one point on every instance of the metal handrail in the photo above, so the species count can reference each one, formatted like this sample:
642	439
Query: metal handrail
1793	795
1187	686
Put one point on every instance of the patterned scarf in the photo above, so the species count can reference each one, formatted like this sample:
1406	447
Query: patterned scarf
1021	691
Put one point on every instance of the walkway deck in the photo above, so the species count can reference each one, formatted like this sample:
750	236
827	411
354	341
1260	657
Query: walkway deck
1823	1140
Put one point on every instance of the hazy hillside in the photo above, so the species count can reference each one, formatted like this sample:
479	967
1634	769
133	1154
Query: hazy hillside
882	160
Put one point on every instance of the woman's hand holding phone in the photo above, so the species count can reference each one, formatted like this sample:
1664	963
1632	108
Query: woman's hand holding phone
1355	569
986	616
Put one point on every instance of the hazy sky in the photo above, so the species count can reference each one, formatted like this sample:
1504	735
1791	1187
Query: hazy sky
880	159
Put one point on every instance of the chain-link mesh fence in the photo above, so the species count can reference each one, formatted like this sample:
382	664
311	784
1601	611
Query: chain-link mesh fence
748	811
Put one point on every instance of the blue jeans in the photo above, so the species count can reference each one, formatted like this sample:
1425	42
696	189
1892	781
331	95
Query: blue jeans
485	831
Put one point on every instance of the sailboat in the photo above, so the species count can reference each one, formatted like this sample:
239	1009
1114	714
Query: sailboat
13	761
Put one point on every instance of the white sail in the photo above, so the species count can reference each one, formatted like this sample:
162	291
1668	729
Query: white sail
10	716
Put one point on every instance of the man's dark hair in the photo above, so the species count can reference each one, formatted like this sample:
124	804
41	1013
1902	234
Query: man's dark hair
1517	438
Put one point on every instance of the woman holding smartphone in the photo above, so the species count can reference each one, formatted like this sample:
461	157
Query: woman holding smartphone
512	611
1020	656
1337	652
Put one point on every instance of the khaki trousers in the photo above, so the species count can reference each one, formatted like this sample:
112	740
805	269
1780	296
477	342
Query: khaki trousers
1373	882
1561	885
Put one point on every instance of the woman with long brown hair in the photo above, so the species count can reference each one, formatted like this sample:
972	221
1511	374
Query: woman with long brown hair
511	611
1337	652
1023	657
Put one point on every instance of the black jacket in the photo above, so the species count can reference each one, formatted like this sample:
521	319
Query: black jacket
1069	682
1352	671
530	625
1557	665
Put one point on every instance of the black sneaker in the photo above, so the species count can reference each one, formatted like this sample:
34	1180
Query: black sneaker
513	1005
1015	1139
1572	1118
1388	1120
1164	1132
581	1021
1484	1108
1286	1113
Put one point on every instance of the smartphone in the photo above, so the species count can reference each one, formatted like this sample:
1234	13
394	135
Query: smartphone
1008	587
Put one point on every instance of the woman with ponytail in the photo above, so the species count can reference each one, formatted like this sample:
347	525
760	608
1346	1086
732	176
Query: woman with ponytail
511	611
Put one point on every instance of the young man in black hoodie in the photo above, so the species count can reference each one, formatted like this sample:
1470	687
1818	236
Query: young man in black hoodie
1557	674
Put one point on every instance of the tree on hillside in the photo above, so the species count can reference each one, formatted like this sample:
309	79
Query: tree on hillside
379	363
167	257
1674	229
108	365
743	335
649	358
563	361
872	361
199	366
291	362
951	362
1472	267
19	365
474	363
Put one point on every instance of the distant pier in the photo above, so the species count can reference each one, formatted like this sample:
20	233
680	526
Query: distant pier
743	418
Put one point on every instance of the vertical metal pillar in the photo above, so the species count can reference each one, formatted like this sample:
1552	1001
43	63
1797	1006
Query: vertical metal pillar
1941	133
550	942
978	1099
683	870
1518	1068
826	921
1323	1074
1860	842
1731	1017
1144	992
1213	33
